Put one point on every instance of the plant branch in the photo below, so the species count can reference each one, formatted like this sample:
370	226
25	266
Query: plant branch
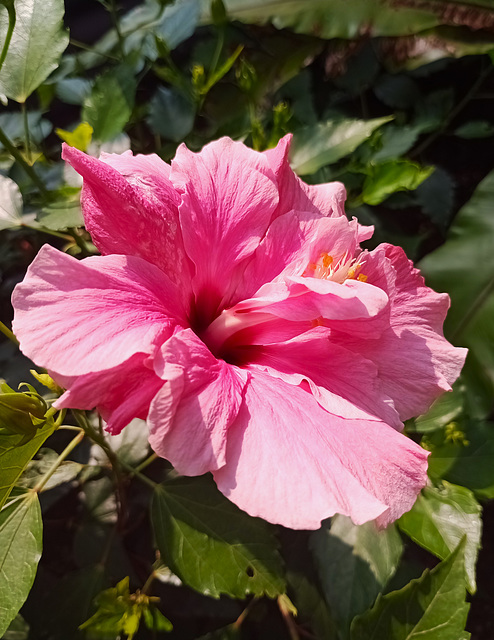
72	445
7	332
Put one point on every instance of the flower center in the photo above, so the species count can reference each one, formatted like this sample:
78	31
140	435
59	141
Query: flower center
337	270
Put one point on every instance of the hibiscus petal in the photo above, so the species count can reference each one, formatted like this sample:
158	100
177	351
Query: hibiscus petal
120	394
130	207
310	298
228	197
190	415
363	469
292	242
415	362
344	383
326	199
78	317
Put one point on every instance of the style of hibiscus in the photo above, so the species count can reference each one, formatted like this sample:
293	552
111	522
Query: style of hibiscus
234	310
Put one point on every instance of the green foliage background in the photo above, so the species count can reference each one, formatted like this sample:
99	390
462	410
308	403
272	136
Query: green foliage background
98	537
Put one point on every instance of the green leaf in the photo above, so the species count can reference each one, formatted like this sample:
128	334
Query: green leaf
464	268
211	545
14	456
109	105
10	204
354	565
390	177
475	129
20	551
436	197
38	41
395	141
317	145
18	629
470	465
171	114
13	124
63	214
446	408
440	518
430	608
66	471
331	18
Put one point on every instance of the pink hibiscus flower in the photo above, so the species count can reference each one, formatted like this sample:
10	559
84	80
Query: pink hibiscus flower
234	310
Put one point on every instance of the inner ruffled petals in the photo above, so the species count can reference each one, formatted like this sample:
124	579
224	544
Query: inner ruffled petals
290	308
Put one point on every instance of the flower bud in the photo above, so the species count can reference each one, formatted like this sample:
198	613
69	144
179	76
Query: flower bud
21	413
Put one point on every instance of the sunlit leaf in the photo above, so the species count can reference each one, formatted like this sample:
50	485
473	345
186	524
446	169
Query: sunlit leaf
430	608
37	43
317	145
331	18
440	518
20	551
14	456
390	177
10	204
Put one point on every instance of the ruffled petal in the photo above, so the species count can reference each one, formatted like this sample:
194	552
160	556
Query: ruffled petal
130	207
228	197
292	242
119	394
344	383
363	469
415	362
325	199
78	317
190	416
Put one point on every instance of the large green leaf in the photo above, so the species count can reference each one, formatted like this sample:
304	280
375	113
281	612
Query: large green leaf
440	518
354	565
109	105
464	268
331	18
211	545
317	145
21	532
14	456
38	41
430	608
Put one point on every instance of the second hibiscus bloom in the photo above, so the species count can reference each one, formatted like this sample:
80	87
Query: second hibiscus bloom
233	308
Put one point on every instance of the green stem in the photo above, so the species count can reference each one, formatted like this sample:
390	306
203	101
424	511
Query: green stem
86	47
72	445
217	52
148	583
8	144
26	132
146	462
116	24
7	332
10	30
50	232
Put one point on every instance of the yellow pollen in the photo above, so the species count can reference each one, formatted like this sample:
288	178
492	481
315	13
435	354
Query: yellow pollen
362	278
326	260
352	271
